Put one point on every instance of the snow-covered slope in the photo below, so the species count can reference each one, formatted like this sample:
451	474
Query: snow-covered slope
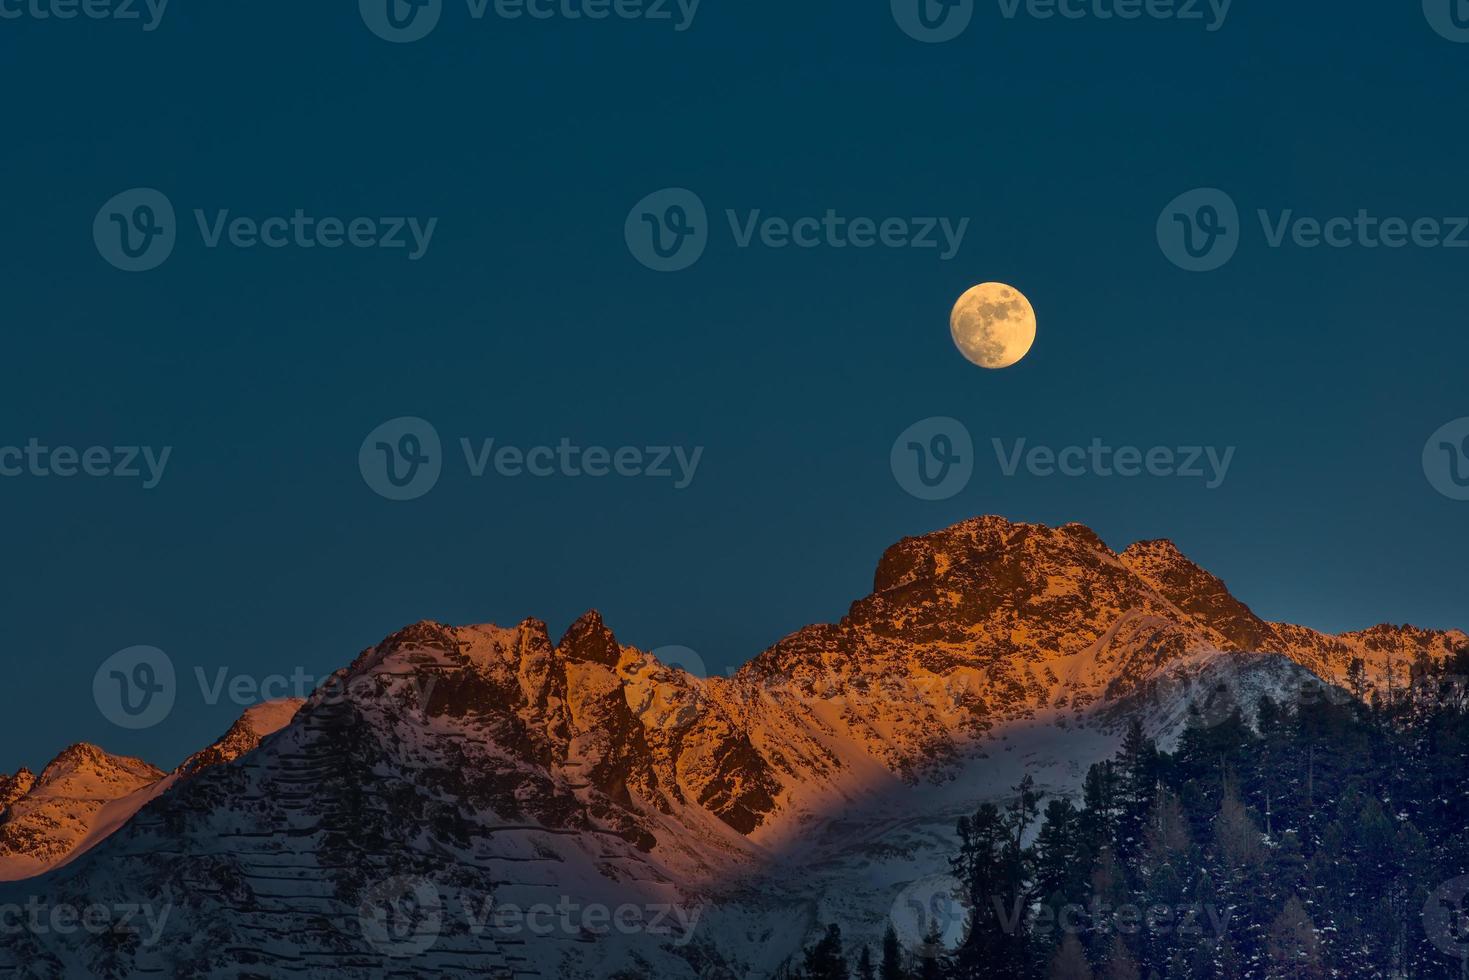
455	771
258	721
47	822
86	793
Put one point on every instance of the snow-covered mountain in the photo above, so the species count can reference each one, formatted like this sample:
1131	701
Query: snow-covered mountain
46	823
87	793
483	800
258	721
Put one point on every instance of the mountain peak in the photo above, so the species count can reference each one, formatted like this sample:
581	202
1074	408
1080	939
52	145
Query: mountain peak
258	721
83	759
979	542
1156	548
60	808
77	752
589	639
1199	593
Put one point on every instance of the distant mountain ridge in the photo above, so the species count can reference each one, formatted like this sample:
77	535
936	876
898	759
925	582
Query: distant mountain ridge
490	761
85	793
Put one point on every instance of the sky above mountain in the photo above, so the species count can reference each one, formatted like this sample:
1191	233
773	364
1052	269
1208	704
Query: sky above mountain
262	550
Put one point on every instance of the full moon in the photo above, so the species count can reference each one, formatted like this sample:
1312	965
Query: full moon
993	325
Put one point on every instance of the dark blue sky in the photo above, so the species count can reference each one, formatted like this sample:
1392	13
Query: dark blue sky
528	320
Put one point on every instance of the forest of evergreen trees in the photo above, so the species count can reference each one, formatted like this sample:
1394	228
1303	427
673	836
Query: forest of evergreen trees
1329	843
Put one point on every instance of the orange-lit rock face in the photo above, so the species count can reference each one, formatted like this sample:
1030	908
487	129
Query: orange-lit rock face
14	787
55	813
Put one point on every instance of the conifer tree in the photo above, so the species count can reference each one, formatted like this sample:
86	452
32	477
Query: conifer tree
1137	766
1060	853
1294	951
995	869
1357	678
1120	963
1070	961
892	957
1236	835
935	963
824	960
1100	806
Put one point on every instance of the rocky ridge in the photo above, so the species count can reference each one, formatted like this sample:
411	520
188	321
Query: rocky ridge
490	763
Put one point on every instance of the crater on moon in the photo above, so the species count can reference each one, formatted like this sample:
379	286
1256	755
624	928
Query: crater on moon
993	325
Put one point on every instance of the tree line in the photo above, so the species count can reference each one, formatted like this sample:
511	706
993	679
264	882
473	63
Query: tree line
1328	839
